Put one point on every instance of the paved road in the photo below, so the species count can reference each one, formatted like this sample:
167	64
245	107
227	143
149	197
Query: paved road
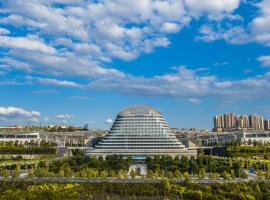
127	180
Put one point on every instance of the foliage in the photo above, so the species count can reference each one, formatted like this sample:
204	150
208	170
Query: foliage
248	149
162	190
28	148
199	166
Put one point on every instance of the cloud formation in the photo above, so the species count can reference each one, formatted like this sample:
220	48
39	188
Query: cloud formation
65	116
188	84
82	37
109	121
13	113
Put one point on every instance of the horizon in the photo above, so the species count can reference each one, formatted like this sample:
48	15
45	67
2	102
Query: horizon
85	61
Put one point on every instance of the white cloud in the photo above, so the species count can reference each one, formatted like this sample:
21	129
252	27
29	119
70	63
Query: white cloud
194	100
212	6
81	38
233	35
65	116
28	43
220	63
184	83
12	113
66	63
4	31
16	64
170	27
265	60
78	38
259	26
49	81
109	121
188	84
256	30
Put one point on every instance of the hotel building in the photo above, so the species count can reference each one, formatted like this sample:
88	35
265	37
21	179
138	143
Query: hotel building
140	131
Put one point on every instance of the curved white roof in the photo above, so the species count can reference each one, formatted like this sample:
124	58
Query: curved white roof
139	110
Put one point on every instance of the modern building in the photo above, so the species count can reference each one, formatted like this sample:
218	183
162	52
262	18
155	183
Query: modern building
140	131
232	122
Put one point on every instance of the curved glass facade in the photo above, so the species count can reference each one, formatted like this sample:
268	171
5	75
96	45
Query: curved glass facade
140	127
138	130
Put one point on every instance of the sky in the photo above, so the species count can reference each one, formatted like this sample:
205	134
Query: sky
83	61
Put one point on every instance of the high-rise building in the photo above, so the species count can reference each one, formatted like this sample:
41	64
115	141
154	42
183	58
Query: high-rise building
140	131
267	125
230	121
225	121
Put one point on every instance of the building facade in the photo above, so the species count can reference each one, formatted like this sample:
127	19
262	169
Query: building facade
20	137
140	131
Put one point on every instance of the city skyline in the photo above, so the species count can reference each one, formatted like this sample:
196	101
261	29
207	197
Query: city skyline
81	62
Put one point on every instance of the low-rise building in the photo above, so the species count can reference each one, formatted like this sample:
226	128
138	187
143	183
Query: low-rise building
20	137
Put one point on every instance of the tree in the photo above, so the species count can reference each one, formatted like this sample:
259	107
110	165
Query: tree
177	174
61	172
67	171
170	174
150	174
225	175
103	174
31	173
243	175
194	168
186	177
184	164
132	174
5	173
194	195
201	173
16	172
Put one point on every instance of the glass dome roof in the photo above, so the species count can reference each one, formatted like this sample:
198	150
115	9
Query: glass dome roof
139	110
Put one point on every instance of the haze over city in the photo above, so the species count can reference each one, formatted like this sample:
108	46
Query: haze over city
80	62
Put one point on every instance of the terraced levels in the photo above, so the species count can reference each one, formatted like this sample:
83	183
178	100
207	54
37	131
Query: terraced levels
140	131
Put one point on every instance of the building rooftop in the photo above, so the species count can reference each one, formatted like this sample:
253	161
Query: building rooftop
139	110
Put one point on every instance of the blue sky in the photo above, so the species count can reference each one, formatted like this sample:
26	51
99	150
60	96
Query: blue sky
64	61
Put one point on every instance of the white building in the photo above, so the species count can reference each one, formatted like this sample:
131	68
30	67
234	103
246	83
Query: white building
20	137
140	131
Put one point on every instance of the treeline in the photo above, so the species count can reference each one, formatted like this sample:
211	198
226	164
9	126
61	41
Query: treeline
131	191
76	166
32	147
27	150
79	162
166	166
248	149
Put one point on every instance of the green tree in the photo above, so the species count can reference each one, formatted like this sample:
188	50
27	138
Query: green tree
16	172
132	174
5	173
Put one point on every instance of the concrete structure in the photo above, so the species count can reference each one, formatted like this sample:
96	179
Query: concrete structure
140	131
20	137
73	139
